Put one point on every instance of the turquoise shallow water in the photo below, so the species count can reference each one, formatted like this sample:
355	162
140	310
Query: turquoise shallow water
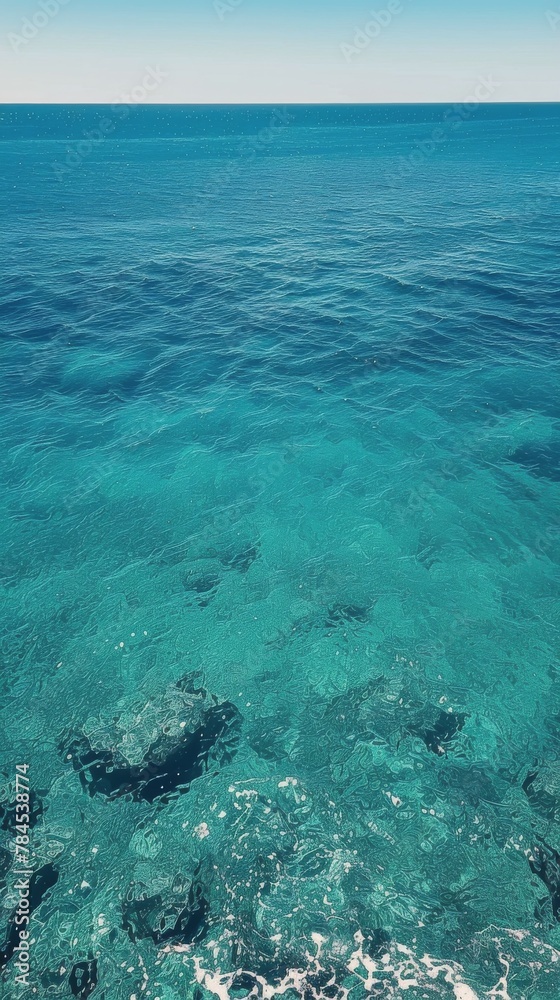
280	521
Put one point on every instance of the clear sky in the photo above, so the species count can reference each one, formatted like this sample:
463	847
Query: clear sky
278	51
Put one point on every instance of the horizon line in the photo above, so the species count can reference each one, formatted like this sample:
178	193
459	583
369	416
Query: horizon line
264	104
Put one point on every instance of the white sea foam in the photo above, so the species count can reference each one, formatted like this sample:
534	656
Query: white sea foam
399	968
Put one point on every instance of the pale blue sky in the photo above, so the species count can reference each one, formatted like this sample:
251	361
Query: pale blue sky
279	51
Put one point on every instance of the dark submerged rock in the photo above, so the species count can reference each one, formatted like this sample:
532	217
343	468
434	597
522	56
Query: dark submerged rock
541	460
321	984
175	921
545	864
376	942
240	559
203	587
8	811
165	770
345	614
244	984
6	858
542	798
439	736
83	979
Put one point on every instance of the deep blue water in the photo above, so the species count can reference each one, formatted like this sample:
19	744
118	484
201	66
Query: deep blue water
280	548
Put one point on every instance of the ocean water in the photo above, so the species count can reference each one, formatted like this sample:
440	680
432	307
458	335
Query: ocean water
280	550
